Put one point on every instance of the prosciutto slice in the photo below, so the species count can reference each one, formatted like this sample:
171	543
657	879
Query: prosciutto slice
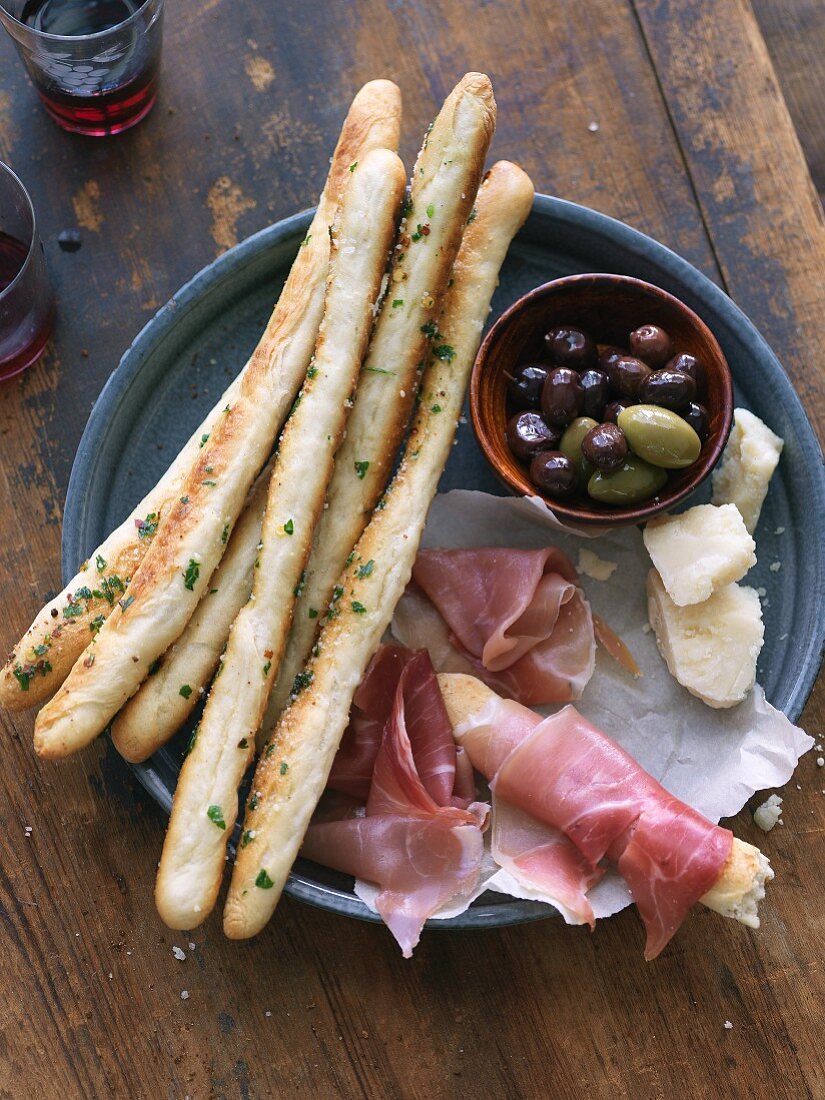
515	618
566	774
419	837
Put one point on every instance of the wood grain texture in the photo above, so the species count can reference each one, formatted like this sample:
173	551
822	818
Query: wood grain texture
684	96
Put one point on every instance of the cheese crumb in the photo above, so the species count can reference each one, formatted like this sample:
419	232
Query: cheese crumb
768	814
591	565
184	994
728	1025
820	761
179	953
775	566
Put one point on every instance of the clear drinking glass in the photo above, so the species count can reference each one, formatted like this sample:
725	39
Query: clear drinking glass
94	63
26	300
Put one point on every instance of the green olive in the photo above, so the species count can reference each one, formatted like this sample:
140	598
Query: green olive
660	436
634	481
571	445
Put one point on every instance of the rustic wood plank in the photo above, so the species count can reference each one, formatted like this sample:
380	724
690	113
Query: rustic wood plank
252	98
795	37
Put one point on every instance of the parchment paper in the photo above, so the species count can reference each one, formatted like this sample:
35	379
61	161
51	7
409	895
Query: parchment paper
712	759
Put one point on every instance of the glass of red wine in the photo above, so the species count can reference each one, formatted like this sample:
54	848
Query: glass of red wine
26	300
94	63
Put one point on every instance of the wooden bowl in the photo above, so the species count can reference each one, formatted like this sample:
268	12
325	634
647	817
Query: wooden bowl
609	308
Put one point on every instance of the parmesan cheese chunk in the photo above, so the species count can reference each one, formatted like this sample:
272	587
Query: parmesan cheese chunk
700	551
748	463
710	648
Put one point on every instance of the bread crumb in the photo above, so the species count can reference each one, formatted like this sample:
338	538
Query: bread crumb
768	814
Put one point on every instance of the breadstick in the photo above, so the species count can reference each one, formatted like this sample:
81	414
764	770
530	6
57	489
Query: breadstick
175	572
443	187
194	850
292	771
167	697
741	885
43	658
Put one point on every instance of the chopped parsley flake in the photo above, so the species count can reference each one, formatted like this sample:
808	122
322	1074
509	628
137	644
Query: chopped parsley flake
353	166
243	743
247	837
397	302
284	768
22	677
379	370
193	571
264	881
212	483
430	210
253	802
444	352
473	216
192	739
306	240
100	563
40	650
184	500
185	691
430	329
313	614
267	667
146	527
204	438
435	409
361	469
155	665
312	372
365	570
225	534
127	602
72	610
215	815
289	527
270	748
97	623
297	591
358	608
301	681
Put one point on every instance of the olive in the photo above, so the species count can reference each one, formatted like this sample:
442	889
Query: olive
607	356
697	416
561	397
626	374
525	385
527	434
688	364
672	389
571	445
612	410
596	387
651	344
660	436
570	347
634	481
605	446
553	473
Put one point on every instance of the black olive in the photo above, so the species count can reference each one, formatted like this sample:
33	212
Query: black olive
697	416
651	344
672	389
626	374
562	397
605	446
553	473
527	434
596	388
526	384
570	347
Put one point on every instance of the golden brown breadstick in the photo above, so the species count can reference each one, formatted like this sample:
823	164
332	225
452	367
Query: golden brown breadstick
442	191
167	697
194	850
293	768
190	540
741	885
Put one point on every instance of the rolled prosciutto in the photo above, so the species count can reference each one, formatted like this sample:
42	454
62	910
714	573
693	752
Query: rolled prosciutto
515	618
563	773
418	837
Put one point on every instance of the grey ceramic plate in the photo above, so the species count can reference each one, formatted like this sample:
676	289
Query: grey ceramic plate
183	359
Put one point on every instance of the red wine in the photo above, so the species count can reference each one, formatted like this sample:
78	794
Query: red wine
25	325
88	94
71	18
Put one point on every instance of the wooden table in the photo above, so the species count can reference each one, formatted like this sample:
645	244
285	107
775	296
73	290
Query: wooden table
695	145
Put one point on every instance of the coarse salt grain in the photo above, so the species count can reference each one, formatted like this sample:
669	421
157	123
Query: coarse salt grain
593	127
184	994
820	761
728	1025
191	947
